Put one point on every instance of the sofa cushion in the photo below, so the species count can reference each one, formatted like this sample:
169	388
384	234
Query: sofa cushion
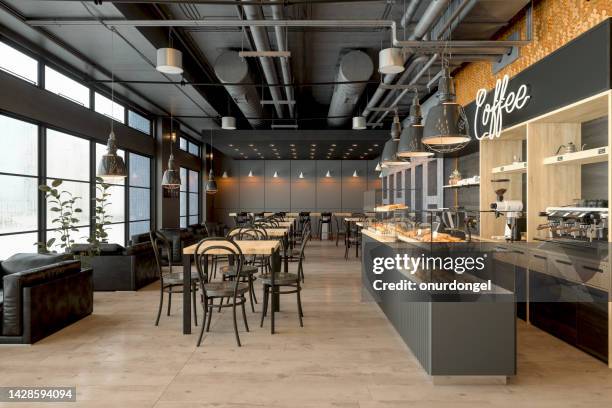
105	249
24	262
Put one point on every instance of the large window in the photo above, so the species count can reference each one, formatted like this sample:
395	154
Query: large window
115	208
189	146
66	87
17	63
19	186
107	107
140	194
139	122
189	197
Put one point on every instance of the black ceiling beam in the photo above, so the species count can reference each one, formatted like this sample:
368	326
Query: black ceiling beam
256	84
228	2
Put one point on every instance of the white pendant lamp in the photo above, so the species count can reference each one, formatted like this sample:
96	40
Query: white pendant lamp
328	174
171	179
355	173
301	175
275	174
378	168
169	61
359	123
250	173
224	175
390	61
228	123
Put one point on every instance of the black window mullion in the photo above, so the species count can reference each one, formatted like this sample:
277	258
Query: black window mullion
92	187
126	201
42	179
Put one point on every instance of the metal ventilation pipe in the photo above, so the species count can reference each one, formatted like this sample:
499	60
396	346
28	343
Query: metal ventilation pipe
410	10
431	14
354	66
262	43
280	32
231	68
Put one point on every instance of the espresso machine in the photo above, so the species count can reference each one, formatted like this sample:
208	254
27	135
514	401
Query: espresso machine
576	223
512	210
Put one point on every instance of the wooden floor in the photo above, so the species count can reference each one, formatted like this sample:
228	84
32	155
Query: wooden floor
346	356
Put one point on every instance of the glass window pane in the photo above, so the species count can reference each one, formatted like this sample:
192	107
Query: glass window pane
19	64
109	108
193	204
18	243
183	204
194	149
139	122
183	179
183	223
116	234
115	203
72	189
183	143
18	204
139	227
19	141
79	237
140	170
70	89
193	181
100	151
140	204
67	156
193	219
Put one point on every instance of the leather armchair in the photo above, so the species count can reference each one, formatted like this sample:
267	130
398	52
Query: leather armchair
40	301
179	239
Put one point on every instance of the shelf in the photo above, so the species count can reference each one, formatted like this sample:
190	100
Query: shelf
518	167
596	155
461	185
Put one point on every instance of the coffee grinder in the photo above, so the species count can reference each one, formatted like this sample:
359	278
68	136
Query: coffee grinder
512	210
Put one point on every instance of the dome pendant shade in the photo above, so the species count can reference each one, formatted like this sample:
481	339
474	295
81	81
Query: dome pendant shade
359	123
169	61
111	167
410	144
228	123
390	61
171	178
396	128
211	184
389	155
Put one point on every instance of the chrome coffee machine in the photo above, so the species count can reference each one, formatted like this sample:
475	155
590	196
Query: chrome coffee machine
576	223
513	211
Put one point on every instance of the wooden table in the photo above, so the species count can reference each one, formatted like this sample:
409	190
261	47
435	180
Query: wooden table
248	247
280	233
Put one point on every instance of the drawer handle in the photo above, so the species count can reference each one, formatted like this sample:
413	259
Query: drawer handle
590	268
539	257
563	262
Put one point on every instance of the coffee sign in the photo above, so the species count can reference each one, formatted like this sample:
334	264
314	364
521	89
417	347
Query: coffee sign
490	115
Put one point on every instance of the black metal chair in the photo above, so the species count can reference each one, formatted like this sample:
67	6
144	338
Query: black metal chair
170	282
352	238
340	228
241	219
233	289
285	280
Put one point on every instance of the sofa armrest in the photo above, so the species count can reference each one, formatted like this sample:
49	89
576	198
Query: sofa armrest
14	283
141	248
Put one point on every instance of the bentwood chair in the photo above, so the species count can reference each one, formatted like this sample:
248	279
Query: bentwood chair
233	290
284	284
170	282
352	238
340	228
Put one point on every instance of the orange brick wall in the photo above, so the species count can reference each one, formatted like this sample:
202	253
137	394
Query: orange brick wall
555	23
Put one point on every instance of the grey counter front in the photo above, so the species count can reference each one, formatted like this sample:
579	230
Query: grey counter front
453	340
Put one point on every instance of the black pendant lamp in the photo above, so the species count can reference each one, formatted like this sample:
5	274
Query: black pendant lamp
211	184
396	127
446	127
411	144
111	167
171	178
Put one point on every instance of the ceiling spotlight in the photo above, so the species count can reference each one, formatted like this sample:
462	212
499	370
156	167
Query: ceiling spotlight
350	150
230	145
271	144
375	145
251	145
292	145
333	145
169	61
359	123
390	61
313	145
354	145
228	123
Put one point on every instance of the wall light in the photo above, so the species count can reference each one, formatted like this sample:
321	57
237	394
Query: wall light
301	175
328	174
250	173
355	173
224	175
275	174
378	168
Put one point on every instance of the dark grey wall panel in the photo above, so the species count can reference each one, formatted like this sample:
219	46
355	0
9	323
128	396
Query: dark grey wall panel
354	187
303	191
374	181
278	190
329	189
252	195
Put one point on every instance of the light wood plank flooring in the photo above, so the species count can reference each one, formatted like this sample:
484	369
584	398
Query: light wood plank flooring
346	356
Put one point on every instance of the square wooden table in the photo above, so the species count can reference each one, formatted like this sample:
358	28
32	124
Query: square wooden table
248	247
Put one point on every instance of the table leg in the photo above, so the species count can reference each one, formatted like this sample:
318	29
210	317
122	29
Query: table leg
186	294
286	252
276	268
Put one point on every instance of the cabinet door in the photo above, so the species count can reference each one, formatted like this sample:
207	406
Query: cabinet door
592	322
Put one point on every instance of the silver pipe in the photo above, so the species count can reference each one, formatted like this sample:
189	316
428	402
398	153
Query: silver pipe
410	10
262	43
280	32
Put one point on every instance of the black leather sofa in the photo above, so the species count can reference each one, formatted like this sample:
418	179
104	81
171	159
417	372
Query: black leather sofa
118	268
40	295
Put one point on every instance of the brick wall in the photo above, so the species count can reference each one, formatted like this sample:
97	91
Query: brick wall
555	23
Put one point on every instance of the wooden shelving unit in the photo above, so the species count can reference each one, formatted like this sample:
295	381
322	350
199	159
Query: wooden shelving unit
517	167
461	185
597	155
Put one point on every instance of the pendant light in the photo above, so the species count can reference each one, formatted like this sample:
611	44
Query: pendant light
169	60
228	123
211	184
171	178
359	123
301	175
390	61
446	127
275	175
328	174
111	167
378	168
250	173
224	175
410	144
355	173
396	127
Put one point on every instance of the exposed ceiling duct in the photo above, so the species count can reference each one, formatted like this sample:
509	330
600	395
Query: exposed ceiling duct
262	43
355	65
231	68
281	35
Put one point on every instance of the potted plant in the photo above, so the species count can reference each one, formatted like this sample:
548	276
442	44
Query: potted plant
64	207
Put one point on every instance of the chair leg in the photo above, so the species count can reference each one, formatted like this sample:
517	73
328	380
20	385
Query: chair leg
244	317
250	281
235	323
210	312
195	305
204	306
253	289
161	303
265	305
299	305
169	299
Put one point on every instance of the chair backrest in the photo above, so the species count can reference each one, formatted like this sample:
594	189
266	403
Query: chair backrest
217	246
161	244
305	238
241	219
326	217
248	233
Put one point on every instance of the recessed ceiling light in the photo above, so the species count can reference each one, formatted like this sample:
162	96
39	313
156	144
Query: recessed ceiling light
333	145
230	145
375	145
292	145
271	144
354	145
251	145
236	149
350	150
